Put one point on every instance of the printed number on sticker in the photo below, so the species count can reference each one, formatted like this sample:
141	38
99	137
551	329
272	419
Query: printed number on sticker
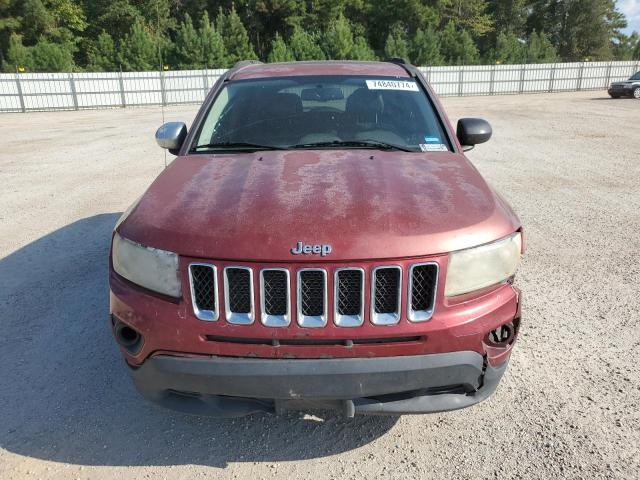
392	85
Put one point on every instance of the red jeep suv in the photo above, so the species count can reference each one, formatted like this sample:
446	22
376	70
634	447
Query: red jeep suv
320	241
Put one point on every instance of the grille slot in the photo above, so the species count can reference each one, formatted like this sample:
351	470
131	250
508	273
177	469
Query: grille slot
423	279
349	297
238	295
386	284
204	291
274	297
312	297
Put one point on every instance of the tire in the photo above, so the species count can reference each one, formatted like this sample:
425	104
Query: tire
636	93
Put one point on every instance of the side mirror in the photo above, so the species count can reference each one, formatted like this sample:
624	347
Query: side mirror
171	135
472	131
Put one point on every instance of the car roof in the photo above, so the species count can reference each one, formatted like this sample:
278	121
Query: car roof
290	69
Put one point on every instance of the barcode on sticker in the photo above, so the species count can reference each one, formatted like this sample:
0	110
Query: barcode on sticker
431	147
392	85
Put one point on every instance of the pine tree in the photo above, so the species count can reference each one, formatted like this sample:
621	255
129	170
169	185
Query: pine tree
213	51
37	21
157	15
338	39
510	16
540	49
425	48
114	16
187	48
471	16
139	50
624	46
280	51
57	22
509	49
51	57
468	52
235	38
377	16
396	44
579	29
457	47
17	55
361	50
263	19
102	56
305	45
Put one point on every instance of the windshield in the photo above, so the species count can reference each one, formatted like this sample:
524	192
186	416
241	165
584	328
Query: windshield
322	112
636	76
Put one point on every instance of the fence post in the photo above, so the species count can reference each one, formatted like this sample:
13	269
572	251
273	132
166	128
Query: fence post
163	92
551	77
205	83
20	95
580	75
522	71
492	80
608	79
460	80
123	98
74	94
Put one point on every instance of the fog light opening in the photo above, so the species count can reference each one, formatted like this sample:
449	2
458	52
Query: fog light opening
503	335
127	337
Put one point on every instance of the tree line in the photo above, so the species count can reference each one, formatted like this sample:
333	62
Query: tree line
138	35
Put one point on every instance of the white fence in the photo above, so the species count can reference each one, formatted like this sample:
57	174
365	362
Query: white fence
74	91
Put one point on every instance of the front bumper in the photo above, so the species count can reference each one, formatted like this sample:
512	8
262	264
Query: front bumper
620	91
230	387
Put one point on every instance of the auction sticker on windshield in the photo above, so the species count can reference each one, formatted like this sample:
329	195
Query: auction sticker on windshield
392	85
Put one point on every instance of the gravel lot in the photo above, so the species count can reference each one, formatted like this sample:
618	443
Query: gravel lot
569	407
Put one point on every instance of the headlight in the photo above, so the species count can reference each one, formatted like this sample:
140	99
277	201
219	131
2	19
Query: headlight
148	267
482	266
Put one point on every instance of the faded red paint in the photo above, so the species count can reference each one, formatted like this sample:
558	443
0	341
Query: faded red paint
320	68
366	204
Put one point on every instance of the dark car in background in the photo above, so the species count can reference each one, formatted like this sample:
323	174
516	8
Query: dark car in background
628	88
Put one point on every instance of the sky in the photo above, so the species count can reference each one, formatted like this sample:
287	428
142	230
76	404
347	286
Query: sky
631	8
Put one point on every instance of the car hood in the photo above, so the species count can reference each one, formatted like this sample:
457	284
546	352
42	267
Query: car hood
367	204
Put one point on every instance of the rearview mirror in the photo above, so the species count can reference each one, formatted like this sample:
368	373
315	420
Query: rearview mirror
472	131
322	94
171	135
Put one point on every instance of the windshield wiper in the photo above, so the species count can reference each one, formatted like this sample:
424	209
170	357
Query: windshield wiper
234	146
355	144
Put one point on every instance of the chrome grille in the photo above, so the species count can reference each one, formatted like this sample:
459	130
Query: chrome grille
238	295
274	297
204	292
312	297
422	291
386	286
349	297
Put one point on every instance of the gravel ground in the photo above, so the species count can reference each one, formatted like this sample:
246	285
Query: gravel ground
567	408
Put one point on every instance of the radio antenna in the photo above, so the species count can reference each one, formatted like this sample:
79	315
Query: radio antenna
162	96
